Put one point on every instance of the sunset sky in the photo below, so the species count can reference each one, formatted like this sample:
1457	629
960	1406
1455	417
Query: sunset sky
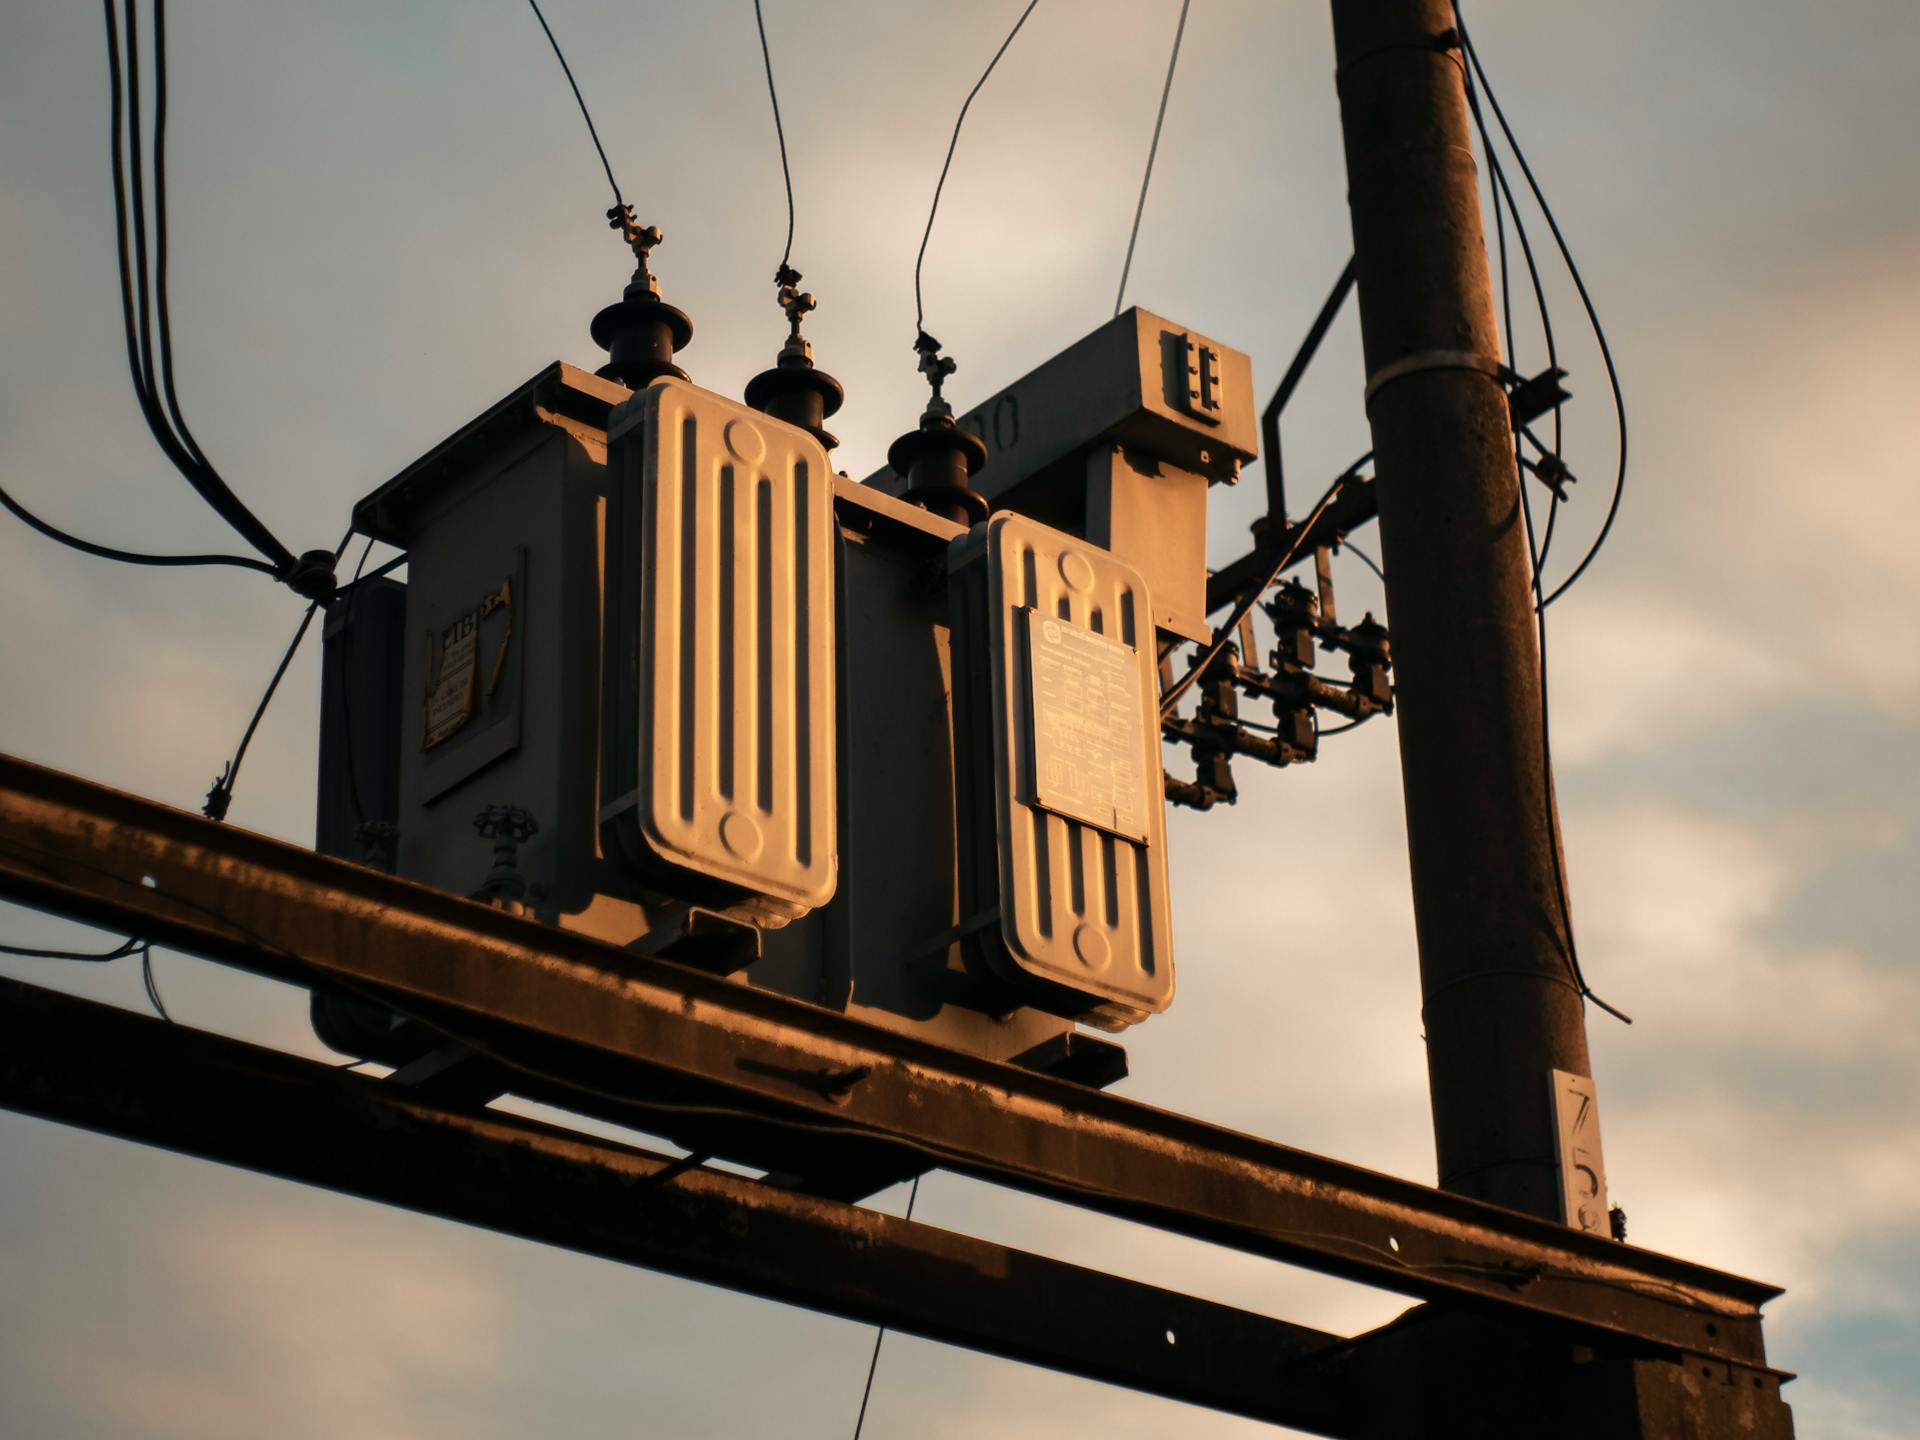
386	217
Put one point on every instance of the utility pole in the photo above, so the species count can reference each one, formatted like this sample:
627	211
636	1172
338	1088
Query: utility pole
1500	1003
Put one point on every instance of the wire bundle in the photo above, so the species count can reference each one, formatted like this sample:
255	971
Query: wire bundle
1505	208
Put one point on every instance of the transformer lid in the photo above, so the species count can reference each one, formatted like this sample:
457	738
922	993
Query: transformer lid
558	394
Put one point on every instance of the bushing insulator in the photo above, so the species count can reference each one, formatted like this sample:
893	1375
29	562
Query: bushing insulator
640	333
936	461
800	394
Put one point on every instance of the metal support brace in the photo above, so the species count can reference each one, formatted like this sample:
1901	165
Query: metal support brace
646	1028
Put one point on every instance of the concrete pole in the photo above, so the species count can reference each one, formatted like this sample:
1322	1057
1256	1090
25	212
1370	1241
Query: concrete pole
1501	1008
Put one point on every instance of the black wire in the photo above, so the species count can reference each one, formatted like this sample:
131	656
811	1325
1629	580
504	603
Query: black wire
119	952
221	795
1504	204
129	557
1152	150
1503	192
1226	632
207	481
165	310
581	100
1586	301
144	298
1546	780
130	946
919	309
779	130
152	986
873	1363
1319	734
1365	559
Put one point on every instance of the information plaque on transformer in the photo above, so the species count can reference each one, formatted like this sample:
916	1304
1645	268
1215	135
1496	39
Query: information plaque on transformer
1085	726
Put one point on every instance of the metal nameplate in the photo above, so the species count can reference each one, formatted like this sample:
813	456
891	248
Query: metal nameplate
454	665
1085	726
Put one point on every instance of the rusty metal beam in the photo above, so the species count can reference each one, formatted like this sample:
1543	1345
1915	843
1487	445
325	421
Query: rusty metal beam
635	1023
105	1069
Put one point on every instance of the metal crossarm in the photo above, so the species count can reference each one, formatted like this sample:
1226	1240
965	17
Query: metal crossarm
638	1024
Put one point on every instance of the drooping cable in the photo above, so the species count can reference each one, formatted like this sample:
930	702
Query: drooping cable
581	101
1503	194
132	945
31	952
779	130
873	1363
220	796
1225	633
919	308
1586	301
152	985
1364	558
1153	149
128	557
145	305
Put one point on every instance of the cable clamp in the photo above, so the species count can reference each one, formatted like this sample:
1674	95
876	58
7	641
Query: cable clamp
1423	360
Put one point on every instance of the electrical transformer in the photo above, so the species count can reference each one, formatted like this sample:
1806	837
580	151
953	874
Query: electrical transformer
658	674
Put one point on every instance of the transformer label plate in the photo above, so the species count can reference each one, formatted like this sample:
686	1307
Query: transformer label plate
1085	726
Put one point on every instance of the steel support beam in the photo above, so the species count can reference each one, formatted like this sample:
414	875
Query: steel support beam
637	1023
106	1069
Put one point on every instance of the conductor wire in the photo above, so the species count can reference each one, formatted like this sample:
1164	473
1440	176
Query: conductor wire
581	101
779	130
1152	150
919	308
873	1363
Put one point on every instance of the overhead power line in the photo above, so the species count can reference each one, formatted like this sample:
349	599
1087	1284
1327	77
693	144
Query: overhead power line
873	1361
779	130
146	307
221	795
919	308
1152	150
581	100
1586	301
1503	197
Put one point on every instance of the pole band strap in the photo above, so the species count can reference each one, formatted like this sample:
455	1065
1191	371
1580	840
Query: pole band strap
1432	360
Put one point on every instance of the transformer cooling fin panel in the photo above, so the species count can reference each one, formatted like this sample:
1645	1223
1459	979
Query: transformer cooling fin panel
730	730
1078	787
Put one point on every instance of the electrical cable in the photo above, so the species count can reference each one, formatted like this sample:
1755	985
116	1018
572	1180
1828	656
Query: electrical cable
1586	301
130	946
1365	559
119	952
1534	551
145	301
221	795
128	557
1225	633
873	1362
1152	150
919	309
779	130
152	986
581	101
